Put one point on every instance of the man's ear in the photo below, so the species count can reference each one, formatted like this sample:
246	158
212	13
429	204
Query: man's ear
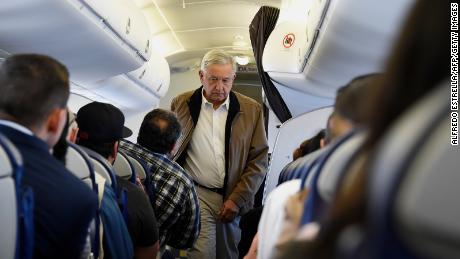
201	74
51	130
72	136
113	153
115	150
173	150
322	143
56	121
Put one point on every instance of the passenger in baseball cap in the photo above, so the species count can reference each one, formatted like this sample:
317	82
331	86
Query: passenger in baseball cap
101	123
100	129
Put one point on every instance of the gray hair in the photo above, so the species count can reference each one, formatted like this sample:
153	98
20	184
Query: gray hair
217	56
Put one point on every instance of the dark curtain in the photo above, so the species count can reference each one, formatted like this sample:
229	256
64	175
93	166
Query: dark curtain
260	28
266	117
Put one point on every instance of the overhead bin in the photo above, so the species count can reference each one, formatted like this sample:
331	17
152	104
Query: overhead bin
154	76
126	20
334	42
95	39
138	90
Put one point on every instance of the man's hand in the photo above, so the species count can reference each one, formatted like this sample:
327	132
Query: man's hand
228	211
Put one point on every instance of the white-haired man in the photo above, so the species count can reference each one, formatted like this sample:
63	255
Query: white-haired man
224	148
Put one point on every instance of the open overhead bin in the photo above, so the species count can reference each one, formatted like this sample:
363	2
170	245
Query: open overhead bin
331	42
95	39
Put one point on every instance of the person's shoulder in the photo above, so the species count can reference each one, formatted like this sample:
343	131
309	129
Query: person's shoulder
81	193
246	101
184	96
72	191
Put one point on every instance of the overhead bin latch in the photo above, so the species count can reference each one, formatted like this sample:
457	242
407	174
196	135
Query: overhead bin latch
147	47
142	74
128	26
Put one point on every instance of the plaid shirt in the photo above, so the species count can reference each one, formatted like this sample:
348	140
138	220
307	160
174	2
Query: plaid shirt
176	204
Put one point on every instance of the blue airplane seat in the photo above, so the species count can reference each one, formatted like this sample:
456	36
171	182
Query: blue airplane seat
16	224
124	168
299	168
102	167
140	167
414	193
341	150
80	164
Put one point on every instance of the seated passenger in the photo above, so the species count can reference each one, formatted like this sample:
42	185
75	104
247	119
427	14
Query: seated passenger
176	204
310	145
34	90
100	129
284	206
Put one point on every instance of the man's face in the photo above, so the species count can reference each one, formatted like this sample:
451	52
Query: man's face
217	82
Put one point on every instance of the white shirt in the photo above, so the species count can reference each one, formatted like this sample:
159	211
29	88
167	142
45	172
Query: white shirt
205	159
272	219
16	126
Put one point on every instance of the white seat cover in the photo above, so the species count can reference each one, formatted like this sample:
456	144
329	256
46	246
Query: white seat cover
8	213
77	163
122	166
138	168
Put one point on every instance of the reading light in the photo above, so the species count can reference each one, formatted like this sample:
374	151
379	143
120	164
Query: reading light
242	60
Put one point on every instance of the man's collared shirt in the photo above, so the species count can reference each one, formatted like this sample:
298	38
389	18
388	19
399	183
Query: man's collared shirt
205	159
17	127
176	204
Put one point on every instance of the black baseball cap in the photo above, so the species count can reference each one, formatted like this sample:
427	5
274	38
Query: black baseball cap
101	123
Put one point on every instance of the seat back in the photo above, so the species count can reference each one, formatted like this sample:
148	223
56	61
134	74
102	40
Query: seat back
80	164
139	167
413	192
123	167
17	218
427	208
9	211
102	167
334	166
315	204
143	170
299	168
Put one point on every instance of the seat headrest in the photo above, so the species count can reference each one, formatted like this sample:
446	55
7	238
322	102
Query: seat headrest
78	162
123	166
10	158
10	166
398	157
102	167
139	167
299	168
335	165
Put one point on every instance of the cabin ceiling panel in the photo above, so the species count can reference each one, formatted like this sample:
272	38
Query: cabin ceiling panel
211	38
188	3
156	23
187	29
206	16
165	43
